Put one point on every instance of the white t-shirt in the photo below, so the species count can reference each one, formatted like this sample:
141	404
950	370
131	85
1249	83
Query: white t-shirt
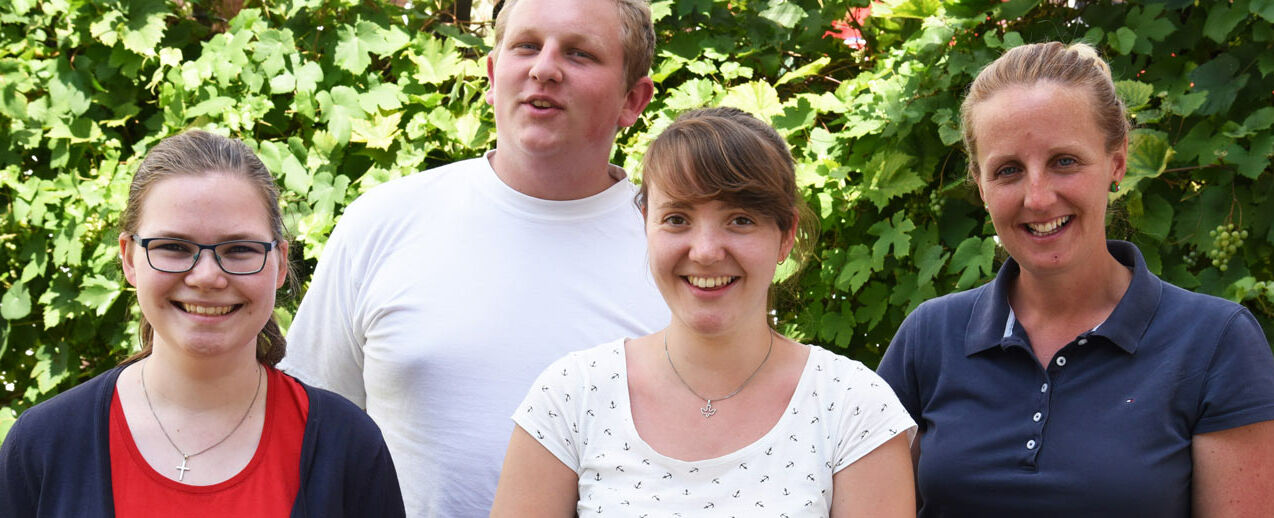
438	299
579	410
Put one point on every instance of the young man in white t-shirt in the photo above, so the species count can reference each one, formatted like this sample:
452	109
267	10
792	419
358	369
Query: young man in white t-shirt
441	296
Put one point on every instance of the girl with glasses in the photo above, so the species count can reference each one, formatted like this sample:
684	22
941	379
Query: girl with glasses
199	422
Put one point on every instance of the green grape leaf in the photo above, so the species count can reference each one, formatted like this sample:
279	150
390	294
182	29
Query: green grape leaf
838	326
308	76
145	25
437	62
805	70
357	43
1264	9
1260	119
973	260
874	305
16	302
1147	24
1148	156
1152	216
889	175
379	132
916	9
894	233
930	260
785	14
856	271
1222	19
98	292
1122	40
755	97
295	176
1135	94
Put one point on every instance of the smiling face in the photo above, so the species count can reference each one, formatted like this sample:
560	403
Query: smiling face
712	262
1044	175
204	311
558	79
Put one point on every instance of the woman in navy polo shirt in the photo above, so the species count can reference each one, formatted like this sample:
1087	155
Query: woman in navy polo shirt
1077	383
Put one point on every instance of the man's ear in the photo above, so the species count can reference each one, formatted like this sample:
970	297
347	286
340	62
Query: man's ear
635	101
490	96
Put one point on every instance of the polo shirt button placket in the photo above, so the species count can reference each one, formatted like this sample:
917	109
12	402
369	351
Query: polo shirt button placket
1032	444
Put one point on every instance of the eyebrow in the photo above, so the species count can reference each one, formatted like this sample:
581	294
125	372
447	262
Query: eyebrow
237	236
570	40
676	204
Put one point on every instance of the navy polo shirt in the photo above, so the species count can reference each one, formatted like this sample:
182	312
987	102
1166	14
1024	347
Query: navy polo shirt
1104	429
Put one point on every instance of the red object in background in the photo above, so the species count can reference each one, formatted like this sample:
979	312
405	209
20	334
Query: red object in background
844	30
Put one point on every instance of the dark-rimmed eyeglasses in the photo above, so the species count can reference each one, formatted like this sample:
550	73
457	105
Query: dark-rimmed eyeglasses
176	255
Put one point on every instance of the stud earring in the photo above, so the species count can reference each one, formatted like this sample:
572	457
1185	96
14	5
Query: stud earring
1114	186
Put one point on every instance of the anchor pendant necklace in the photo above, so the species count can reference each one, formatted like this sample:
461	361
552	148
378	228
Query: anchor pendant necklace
182	469
708	410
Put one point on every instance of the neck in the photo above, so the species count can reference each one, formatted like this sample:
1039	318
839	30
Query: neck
567	176
201	383
1098	288
717	363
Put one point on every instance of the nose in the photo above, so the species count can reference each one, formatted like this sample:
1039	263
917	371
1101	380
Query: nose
1040	192
206	273
546	66
707	246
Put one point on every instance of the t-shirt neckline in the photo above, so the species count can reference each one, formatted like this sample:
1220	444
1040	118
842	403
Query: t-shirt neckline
744	452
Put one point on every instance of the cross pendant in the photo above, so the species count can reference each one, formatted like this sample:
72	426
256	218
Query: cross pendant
707	410
182	469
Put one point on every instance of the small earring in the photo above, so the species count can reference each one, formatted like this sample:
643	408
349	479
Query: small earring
1114	186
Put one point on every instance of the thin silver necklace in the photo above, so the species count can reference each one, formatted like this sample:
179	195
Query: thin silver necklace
182	469
707	409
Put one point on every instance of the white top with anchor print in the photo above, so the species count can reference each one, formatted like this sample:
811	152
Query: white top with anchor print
578	409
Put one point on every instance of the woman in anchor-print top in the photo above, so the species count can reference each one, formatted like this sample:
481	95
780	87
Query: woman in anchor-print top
199	422
717	414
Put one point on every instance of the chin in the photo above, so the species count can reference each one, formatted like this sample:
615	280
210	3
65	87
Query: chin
708	325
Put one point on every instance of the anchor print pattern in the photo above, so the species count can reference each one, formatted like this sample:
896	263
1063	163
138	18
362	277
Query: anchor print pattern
579	410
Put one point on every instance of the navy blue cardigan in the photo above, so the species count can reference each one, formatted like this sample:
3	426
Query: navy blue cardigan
55	462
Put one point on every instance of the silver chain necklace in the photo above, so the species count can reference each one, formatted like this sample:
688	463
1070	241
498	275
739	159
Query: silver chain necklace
182	469
707	409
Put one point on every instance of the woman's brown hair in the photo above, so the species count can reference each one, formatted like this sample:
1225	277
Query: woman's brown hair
728	155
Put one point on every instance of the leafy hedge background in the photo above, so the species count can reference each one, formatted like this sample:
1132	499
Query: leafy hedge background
340	95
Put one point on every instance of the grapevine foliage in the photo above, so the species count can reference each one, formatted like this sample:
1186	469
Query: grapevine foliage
338	96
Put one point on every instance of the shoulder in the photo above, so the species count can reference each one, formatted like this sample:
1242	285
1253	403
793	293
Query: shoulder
952	305
81	400
335	414
833	370
1201	319
409	190
572	371
1178	301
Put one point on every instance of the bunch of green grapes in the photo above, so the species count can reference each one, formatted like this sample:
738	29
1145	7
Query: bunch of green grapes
1226	240
1191	258
936	201
1264	289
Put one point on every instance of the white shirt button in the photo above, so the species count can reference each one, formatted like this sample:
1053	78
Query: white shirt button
1030	445
1044	387
1037	417
1061	361
1082	341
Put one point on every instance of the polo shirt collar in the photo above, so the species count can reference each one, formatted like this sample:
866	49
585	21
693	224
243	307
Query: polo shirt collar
1124	327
